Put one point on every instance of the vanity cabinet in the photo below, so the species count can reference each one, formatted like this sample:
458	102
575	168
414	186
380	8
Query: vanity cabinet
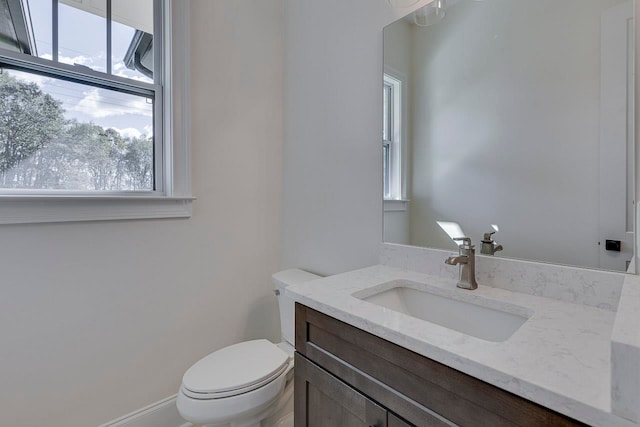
348	377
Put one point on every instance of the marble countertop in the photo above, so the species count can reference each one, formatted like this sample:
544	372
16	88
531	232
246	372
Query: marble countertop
559	358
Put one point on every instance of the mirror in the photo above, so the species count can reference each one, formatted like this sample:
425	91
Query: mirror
516	116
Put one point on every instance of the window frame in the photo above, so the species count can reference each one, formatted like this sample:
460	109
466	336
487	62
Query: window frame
395	198
388	119
171	197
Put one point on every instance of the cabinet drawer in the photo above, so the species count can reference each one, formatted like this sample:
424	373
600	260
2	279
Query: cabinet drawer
422	391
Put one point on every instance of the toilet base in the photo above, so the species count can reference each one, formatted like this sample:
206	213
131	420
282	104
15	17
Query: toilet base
233	425
286	421
283	409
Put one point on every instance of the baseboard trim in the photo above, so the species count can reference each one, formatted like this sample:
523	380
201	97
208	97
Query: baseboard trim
160	414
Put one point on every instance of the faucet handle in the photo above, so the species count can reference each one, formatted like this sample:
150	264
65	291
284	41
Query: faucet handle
466	242
487	237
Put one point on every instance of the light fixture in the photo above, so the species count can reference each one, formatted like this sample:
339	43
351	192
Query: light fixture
402	3
430	14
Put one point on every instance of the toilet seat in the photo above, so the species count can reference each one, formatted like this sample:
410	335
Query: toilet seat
231	393
235	370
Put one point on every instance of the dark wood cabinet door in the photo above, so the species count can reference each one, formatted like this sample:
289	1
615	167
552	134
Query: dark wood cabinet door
321	400
394	421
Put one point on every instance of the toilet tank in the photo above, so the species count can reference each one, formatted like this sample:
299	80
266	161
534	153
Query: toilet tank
281	281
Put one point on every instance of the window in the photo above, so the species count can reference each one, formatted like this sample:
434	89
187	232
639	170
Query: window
392	138
85	102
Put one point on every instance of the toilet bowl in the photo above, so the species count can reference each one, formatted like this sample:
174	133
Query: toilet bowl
249	384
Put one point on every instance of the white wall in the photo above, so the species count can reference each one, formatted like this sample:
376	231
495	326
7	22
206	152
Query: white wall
100	319
333	108
493	144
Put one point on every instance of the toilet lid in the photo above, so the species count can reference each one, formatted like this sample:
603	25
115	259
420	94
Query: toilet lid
236	367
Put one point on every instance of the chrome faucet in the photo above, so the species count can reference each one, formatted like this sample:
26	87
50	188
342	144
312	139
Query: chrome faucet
489	246
466	260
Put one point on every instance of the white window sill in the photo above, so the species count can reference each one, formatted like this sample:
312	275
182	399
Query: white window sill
395	205
45	209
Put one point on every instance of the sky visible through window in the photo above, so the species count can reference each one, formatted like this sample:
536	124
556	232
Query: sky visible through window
82	41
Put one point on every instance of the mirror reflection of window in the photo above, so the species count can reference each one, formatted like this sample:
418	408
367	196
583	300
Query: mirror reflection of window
387	126
392	138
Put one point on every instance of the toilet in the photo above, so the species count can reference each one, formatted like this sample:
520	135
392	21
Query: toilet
249	384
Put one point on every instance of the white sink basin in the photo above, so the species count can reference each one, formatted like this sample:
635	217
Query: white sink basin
490	324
